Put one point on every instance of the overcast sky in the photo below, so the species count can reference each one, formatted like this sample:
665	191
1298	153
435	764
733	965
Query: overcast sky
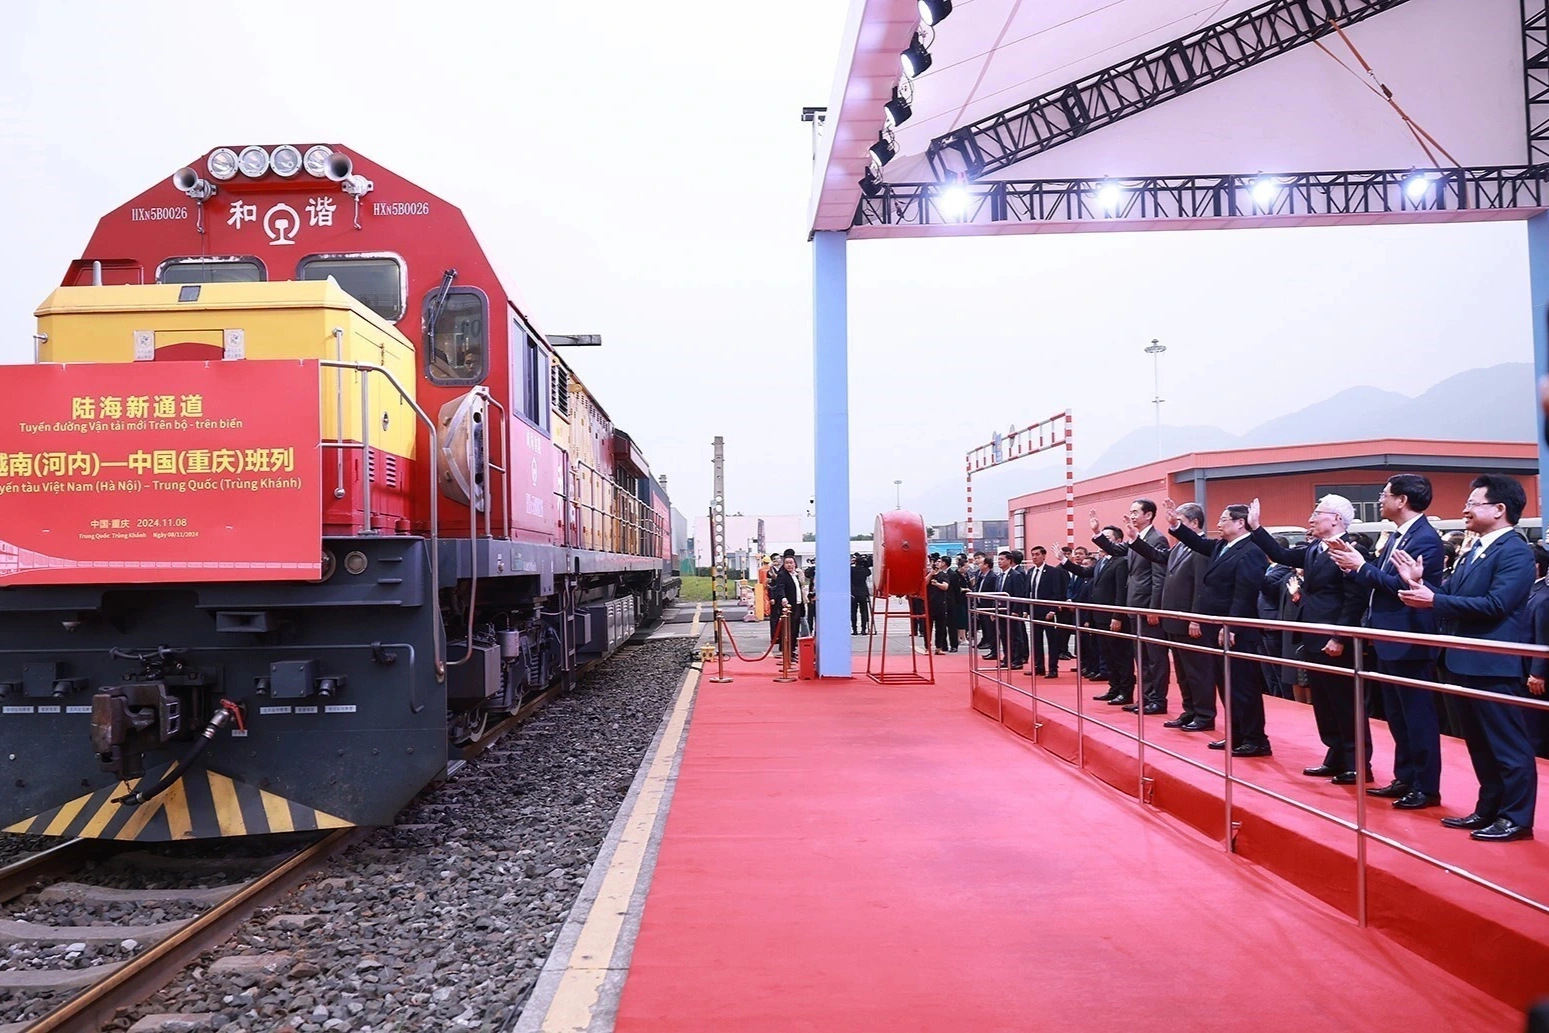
641	171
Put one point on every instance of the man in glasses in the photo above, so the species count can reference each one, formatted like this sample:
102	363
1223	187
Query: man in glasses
1326	597
1486	598
1411	712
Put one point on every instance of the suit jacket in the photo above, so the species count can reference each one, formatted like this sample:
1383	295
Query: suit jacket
1145	574
1386	611
784	588
1053	583
1183	581
1015	584
1232	579
1486	597
1109	578
1328	597
1538	623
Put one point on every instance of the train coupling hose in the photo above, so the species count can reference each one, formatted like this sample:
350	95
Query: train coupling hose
228	713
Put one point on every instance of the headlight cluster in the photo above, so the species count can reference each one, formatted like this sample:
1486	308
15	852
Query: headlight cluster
253	161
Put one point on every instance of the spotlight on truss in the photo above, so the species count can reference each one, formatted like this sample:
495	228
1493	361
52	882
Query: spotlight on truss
916	59
1109	197
932	11
871	183
952	200
884	150
1417	186
1264	192
897	111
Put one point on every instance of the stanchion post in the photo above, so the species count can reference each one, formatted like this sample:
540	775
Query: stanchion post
1359	705
720	654
785	646
1226	701
1080	692
1140	711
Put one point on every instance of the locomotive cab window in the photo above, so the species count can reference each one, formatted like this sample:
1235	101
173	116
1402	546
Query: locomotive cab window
210	270
457	346
376	281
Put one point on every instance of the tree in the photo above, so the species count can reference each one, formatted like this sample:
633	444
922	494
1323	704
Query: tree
809	537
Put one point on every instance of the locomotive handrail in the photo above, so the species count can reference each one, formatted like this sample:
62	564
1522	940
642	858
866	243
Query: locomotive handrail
437	632
506	496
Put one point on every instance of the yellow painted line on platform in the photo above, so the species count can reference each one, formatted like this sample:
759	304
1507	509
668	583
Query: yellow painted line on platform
576	999
693	629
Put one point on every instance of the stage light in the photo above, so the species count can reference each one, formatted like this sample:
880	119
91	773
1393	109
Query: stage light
1264	192
916	59
897	110
952	201
871	183
1417	186
932	11
884	150
1110	196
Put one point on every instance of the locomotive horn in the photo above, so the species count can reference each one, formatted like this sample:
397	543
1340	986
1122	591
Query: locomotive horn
188	181
338	167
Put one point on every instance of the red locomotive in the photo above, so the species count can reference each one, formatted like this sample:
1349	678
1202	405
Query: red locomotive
295	496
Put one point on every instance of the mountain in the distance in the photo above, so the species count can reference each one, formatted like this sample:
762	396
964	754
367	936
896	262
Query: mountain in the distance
1494	403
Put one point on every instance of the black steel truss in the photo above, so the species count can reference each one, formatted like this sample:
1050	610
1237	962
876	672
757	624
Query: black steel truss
1054	201
1170	70
1535	69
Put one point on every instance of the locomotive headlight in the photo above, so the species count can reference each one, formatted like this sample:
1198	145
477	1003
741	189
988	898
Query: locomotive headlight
222	164
316	161
285	160
253	161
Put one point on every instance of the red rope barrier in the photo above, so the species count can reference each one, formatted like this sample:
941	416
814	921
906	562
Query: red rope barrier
731	638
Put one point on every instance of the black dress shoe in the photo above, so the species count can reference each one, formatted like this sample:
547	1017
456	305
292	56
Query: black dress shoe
1219	744
987	656
1415	800
1501	831
1131	707
1122	701
1253	751
1348	778
1053	674
1473	820
1394	790
1154	708
1105	697
1321	771
1197	725
1177	722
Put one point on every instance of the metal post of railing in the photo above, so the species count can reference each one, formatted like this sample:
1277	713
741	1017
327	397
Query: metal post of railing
365	456
1226	701
1360	783
1140	712
1080	692
785	645
338	405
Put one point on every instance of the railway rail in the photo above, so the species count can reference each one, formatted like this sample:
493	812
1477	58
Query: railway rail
129	982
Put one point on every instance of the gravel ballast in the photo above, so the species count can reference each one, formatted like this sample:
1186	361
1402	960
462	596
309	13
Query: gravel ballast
443	921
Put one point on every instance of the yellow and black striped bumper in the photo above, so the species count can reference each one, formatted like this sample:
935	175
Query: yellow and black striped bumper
202	804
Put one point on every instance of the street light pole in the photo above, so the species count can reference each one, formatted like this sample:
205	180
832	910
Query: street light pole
898	495
1155	350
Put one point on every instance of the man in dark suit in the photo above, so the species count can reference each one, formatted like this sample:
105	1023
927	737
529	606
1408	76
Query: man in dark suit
1049	582
1180	592
1326	596
1411	713
1110	580
1231	589
1144	590
987	580
1486	598
860	595
1016	585
787	598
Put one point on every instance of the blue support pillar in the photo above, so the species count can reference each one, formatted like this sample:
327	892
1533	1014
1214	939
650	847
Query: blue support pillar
1538	287
831	459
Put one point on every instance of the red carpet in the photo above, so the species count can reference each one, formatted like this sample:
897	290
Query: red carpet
1493	943
845	856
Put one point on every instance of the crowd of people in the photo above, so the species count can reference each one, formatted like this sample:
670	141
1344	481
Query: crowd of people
1489	584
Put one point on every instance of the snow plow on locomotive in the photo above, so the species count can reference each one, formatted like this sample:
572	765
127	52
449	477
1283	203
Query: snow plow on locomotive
294	498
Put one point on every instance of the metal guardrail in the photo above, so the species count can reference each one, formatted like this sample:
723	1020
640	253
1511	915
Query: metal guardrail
999	608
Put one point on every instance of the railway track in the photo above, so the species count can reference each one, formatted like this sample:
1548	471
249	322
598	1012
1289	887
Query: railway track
103	990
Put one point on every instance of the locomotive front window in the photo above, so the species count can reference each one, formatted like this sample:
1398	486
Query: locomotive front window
457	346
210	270
376	283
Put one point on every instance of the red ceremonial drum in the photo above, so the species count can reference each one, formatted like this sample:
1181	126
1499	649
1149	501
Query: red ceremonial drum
898	554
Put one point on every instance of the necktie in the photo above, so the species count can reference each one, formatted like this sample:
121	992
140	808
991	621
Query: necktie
1037	573
1468	557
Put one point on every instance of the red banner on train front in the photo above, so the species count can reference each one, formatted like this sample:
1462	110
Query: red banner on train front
160	471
